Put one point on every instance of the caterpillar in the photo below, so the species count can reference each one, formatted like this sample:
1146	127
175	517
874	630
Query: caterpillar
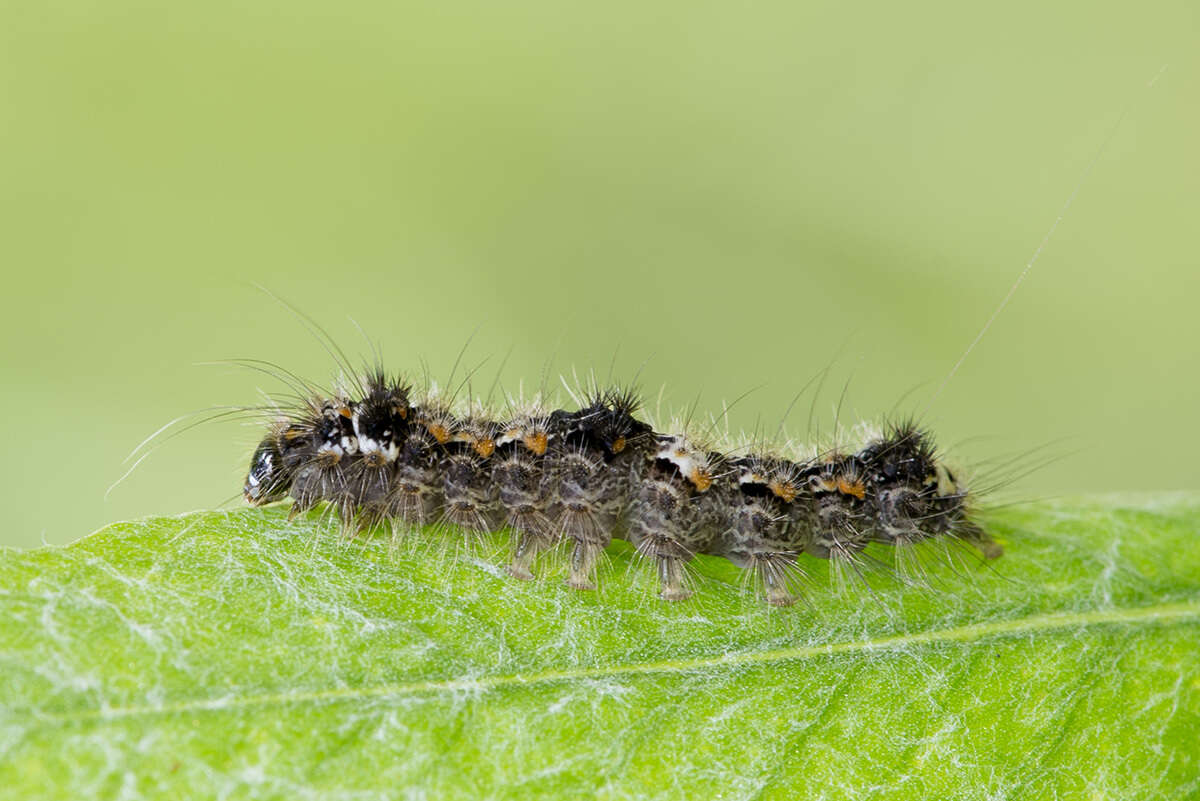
378	453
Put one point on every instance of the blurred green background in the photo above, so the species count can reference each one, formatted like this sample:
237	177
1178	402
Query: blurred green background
735	194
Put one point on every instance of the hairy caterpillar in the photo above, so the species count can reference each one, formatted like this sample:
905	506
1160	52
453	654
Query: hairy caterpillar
381	454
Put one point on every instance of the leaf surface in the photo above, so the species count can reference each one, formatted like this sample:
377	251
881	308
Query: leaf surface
233	654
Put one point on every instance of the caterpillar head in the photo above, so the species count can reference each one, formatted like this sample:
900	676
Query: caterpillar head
271	468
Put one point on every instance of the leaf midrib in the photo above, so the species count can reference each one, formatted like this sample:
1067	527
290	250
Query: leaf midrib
1158	614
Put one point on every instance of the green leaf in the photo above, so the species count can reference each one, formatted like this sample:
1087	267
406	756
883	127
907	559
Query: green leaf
232	654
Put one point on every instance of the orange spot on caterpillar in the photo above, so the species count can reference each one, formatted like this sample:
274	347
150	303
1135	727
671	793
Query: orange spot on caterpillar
536	442
701	479
784	490
851	486
484	447
618	445
438	432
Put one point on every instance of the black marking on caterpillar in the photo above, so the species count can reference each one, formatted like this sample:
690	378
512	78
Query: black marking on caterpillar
577	479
